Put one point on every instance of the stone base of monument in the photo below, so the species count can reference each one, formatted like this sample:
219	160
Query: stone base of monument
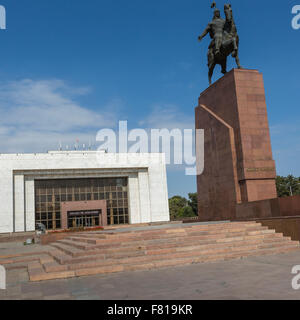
238	182
239	166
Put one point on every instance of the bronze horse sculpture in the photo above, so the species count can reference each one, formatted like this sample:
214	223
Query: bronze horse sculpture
225	41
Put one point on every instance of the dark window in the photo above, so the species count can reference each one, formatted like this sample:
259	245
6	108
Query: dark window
82	197
50	193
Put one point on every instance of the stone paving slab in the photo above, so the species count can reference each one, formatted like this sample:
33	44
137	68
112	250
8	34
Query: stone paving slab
263	277
15	248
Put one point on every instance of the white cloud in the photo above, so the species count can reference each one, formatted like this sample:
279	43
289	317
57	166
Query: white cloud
36	115
168	116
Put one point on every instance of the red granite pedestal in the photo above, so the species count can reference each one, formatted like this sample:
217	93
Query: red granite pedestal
239	167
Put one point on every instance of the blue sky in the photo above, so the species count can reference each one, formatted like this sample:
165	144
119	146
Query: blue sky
69	68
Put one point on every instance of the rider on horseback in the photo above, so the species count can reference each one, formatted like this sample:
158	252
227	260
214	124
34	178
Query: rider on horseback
225	40
215	29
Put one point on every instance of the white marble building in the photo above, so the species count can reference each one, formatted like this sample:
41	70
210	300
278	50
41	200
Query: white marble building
144	173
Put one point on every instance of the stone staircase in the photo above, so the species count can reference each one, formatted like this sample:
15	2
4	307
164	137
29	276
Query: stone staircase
99	252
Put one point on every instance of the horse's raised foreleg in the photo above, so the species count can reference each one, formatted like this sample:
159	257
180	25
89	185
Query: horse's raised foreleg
235	48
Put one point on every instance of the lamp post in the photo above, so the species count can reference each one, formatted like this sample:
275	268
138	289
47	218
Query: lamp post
289	185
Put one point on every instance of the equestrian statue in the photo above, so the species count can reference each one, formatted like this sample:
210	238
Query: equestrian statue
225	40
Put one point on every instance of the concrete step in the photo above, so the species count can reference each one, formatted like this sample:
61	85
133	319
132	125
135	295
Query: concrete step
135	241
100	253
72	251
167	231
203	259
37	272
160	242
75	248
278	244
18	261
22	254
21	259
162	254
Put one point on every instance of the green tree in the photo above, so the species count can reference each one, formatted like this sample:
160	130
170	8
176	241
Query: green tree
175	204
193	202
282	190
186	212
180	207
287	186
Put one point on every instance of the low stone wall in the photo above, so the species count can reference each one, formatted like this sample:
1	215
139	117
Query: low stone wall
289	226
258	209
278	207
280	214
289	206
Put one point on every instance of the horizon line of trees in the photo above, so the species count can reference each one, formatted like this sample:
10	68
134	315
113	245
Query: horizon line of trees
180	207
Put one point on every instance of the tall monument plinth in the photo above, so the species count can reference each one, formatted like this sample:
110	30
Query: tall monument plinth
239	165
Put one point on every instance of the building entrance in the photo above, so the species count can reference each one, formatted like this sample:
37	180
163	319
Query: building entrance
81	194
79	219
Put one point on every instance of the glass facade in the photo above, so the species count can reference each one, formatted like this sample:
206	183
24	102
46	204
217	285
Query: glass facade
50	193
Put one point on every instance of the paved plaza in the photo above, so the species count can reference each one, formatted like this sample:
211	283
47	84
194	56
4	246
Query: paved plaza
264	277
